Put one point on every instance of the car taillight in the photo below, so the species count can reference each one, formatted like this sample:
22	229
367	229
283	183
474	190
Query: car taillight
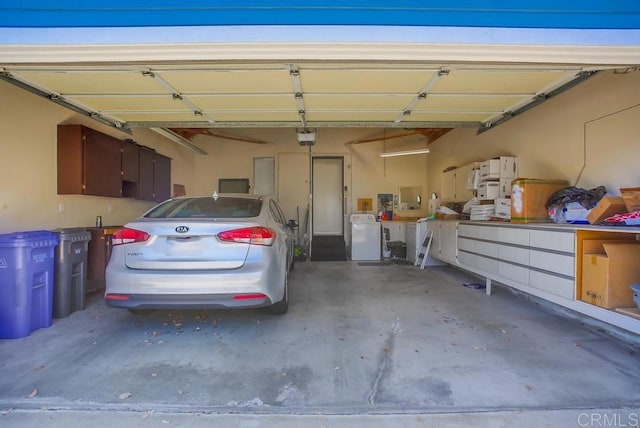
128	236
249	235
123	297
254	296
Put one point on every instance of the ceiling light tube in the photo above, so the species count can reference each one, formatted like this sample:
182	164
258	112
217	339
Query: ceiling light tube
404	153
179	139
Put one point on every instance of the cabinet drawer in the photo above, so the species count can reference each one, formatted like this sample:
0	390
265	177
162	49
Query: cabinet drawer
488	249
514	254
515	273
467	244
558	241
556	263
468	230
475	261
512	235
562	287
488	233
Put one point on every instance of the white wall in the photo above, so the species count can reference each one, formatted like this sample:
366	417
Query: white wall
601	115
28	194
28	174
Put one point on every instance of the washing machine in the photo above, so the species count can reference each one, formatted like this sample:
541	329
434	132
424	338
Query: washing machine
365	237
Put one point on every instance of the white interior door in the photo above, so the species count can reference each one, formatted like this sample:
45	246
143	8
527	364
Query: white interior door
264	176
328	196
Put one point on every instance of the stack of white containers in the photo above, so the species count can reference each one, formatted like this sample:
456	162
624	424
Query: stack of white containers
482	212
495	184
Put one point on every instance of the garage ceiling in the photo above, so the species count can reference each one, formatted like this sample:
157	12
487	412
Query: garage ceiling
299	95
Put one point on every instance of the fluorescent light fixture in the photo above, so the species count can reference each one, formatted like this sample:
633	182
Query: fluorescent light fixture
404	153
179	139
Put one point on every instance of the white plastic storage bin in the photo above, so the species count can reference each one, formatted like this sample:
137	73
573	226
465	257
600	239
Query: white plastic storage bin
502	167
489	190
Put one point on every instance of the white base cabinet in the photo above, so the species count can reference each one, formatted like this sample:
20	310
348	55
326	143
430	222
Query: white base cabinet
535	259
531	260
416	233
444	245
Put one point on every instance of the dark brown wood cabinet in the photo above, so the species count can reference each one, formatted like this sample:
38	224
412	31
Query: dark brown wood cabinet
161	178
98	254
93	163
130	168
89	162
145	183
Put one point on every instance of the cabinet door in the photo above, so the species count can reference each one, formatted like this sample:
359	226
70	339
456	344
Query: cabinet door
461	192
449	241
448	188
130	161
102	164
161	178
434	250
70	160
412	249
145	175
130	166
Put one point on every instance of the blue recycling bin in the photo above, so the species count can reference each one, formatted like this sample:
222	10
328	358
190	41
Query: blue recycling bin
26	282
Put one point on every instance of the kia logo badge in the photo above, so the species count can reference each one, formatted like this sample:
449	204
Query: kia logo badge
182	229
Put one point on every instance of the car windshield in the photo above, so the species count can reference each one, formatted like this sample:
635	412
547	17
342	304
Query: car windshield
207	207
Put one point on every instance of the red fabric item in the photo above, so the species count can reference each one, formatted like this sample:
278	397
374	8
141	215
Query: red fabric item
620	218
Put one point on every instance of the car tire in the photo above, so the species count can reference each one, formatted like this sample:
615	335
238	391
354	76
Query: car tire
140	311
281	307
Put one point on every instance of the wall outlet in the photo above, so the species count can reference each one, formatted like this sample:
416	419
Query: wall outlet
60	208
108	208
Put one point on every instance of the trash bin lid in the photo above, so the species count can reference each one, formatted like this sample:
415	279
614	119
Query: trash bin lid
73	234
32	238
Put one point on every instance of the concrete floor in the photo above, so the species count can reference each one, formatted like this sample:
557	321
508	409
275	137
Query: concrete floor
361	345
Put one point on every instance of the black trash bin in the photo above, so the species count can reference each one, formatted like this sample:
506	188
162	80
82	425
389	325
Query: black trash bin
398	249
70	269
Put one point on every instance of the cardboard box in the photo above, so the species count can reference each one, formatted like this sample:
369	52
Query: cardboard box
501	167
529	199
505	187
631	196
489	190
607	207
503	208
608	270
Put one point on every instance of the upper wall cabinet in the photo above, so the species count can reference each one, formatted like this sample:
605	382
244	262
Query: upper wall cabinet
92	163
161	178
454	184
154	182
89	162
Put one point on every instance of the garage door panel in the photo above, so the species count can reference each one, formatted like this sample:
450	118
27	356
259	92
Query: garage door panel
242	102
230	81
496	82
357	102
364	81
350	116
131	103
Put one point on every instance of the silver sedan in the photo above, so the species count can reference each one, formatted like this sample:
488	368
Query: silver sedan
219	251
